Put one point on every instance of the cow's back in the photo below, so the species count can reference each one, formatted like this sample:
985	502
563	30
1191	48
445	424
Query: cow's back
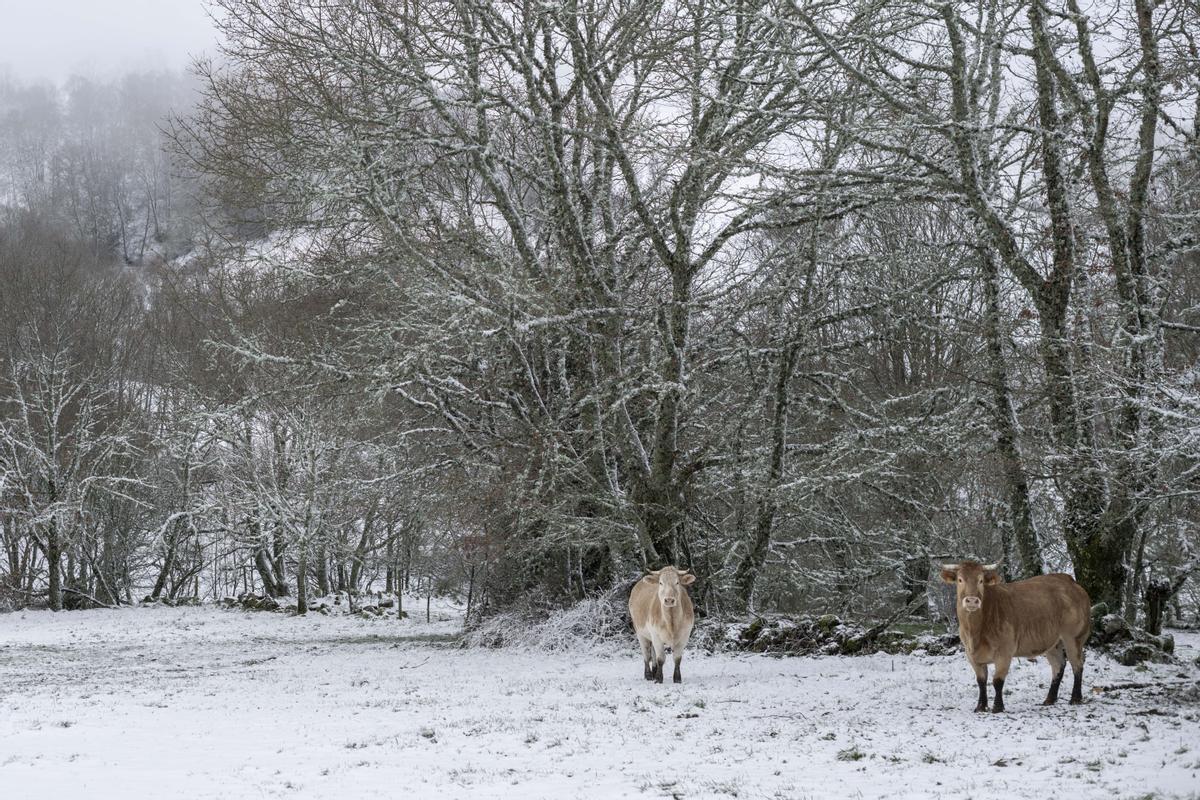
689	616
641	598
1043	609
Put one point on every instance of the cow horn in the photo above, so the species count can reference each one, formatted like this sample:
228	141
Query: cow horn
950	567
992	567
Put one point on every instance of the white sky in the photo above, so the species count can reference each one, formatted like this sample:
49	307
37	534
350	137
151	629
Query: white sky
52	39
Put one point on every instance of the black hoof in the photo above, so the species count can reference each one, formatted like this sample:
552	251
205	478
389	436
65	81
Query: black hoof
1076	701
677	679
997	709
1049	701
981	707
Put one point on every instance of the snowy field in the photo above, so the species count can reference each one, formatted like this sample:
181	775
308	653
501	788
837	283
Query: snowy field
207	703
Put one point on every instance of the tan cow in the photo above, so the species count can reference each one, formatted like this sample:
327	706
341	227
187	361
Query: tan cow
1049	615
663	618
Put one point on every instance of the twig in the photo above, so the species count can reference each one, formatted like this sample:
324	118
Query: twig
1116	687
26	592
256	661
414	666
873	633
89	597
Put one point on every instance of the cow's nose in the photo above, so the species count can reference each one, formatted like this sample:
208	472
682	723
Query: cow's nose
971	603
668	602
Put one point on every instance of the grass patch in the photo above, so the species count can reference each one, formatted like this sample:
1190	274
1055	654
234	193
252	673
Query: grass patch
851	754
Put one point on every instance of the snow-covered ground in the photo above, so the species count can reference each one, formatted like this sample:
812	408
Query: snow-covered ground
207	703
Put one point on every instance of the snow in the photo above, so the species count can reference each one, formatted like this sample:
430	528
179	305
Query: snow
208	703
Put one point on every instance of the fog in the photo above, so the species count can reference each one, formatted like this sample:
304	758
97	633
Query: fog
54	39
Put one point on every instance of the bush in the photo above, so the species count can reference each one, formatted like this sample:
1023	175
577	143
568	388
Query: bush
589	624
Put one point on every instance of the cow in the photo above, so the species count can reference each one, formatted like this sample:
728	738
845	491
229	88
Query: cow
662	618
1048	615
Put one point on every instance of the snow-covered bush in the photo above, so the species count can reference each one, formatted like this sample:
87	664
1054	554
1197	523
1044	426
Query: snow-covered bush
597	622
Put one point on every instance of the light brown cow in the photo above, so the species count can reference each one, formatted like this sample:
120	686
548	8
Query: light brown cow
663	618
1049	615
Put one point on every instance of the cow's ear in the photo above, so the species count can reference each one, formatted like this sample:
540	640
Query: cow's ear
651	578
991	574
687	579
949	573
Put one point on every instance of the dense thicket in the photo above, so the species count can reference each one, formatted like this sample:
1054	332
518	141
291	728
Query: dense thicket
526	298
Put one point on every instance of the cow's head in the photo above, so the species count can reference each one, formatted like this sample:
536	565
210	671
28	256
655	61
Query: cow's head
670	584
970	579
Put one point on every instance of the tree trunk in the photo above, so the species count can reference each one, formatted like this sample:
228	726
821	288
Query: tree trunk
756	556
359	557
1158	592
408	557
266	572
389	578
751	565
279	547
1083	485
54	561
657	520
914	580
104	569
302	579
1133	585
322	571
470	590
168	564
72	579
659	493
1099	564
1025	535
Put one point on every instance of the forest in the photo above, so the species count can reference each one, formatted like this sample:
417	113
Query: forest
513	301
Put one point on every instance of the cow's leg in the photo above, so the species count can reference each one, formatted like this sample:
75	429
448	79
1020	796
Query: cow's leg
981	679
647	649
678	653
1002	664
1074	649
1057	659
659	657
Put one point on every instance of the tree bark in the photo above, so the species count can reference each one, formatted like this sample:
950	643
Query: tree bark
266	572
389	579
756	556
359	558
322	570
1158	592
1099	567
168	564
54	564
302	579
1024	533
278	548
